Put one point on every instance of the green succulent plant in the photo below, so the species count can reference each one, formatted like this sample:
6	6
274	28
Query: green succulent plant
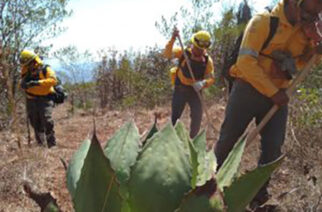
163	171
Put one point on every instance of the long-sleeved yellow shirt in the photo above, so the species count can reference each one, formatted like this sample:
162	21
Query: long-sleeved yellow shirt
46	83
258	69
176	52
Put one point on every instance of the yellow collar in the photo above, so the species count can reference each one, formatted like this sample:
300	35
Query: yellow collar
279	12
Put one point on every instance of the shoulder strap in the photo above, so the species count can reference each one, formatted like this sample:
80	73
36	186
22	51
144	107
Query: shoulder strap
207	58
44	70
272	30
181	59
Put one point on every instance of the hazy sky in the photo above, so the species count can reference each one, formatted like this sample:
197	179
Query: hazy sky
121	24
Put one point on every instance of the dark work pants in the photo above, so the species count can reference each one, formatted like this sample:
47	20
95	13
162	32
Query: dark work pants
40	117
244	104
181	96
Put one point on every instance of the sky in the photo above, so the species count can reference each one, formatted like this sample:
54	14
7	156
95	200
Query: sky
121	24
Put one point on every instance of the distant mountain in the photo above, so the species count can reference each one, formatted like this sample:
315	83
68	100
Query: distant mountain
83	72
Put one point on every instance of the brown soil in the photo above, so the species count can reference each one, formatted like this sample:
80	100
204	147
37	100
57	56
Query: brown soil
296	186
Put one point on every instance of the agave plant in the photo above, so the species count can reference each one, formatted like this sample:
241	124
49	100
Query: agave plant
160	172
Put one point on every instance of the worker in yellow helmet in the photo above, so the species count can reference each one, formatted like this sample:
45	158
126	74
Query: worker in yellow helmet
38	81
185	88
263	72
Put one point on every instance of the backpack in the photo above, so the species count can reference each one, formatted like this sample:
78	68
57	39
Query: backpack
60	94
233	55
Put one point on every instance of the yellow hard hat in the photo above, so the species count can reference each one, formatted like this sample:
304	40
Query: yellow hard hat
26	57
201	39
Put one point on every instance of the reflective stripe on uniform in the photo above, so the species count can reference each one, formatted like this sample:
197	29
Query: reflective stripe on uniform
245	51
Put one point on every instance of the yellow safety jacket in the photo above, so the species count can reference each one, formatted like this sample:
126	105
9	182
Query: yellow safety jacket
46	83
255	66
179	72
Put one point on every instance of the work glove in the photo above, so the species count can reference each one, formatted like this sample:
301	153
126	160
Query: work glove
29	84
280	98
175	33
286	63
199	85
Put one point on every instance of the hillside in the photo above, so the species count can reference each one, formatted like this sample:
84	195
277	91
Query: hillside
296	186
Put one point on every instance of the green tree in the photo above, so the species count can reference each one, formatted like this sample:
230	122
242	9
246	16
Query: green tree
79	67
199	14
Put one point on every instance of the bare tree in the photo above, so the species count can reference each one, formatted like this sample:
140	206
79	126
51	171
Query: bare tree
24	24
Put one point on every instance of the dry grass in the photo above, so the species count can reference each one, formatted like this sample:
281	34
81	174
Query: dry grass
296	186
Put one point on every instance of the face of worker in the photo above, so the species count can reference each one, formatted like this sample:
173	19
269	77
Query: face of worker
33	66
198	52
309	10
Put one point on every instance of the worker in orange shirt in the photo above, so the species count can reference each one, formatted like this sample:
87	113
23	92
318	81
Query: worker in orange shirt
263	72
185	88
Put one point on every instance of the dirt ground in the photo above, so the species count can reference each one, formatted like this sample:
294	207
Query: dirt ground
296	186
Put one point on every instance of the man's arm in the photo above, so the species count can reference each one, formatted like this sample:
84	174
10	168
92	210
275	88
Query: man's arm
209	74
255	35
170	52
50	78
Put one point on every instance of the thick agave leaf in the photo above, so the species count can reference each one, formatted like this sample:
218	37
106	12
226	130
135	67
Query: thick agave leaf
206	160
229	168
122	150
162	174
196	203
243	189
151	132
191	151
217	202
183	135
194	164
91	181
202	203
51	207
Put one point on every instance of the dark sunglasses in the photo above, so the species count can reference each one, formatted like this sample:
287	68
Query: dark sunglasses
202	43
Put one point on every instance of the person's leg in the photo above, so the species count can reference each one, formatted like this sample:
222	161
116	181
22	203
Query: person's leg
195	112
272	136
272	140
40	123
240	110
33	116
178	103
49	123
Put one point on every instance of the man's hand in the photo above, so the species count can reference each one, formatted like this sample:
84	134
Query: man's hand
199	85
29	84
175	33
285	63
280	98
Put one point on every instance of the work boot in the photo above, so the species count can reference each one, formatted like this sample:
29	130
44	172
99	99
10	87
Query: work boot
50	145
51	140
40	138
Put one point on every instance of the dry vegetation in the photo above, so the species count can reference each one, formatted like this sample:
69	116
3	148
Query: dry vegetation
296	186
